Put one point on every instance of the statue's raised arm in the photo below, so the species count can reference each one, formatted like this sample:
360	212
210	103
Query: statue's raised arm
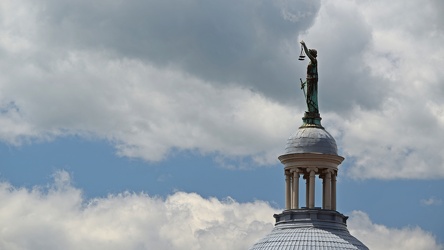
309	52
310	86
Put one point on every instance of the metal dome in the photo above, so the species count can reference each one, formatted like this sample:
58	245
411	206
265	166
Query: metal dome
311	140
299	231
284	237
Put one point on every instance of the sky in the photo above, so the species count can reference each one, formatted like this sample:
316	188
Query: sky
148	124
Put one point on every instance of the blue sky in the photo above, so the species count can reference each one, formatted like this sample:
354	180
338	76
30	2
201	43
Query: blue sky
182	107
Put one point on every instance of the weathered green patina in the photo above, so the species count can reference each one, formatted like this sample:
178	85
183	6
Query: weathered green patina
310	89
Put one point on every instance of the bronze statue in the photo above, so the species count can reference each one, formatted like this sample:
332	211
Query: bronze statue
310	87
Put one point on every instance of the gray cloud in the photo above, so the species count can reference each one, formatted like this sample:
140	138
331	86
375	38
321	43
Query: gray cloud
144	111
342	36
218	77
247	42
397	137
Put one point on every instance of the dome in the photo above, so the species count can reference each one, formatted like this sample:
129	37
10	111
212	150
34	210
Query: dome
294	238
311	140
309	229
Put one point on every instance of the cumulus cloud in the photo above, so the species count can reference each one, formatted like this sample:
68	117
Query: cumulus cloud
67	76
143	110
57	217
246	42
151	77
383	84
377	236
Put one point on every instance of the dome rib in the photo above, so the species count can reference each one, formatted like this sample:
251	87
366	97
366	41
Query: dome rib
306	229
295	238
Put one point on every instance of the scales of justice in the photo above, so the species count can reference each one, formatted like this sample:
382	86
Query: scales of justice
311	117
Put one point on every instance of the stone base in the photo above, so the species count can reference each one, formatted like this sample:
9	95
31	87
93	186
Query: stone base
311	119
316	217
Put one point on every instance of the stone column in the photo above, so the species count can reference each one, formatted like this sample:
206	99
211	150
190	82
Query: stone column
287	191
327	180
307	188
323	190
333	191
295	198
311	192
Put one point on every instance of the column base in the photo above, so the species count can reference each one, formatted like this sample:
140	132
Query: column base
315	216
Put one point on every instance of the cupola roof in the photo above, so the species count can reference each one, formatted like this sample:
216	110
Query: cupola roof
311	140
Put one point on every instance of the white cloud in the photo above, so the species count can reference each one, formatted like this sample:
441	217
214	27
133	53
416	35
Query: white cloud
432	201
384	84
155	83
376	236
145	111
59	87
197	38
57	217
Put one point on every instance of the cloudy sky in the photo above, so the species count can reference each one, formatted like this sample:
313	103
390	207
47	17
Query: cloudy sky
156	124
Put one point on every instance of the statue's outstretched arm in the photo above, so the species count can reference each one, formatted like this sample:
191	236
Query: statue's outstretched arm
307	52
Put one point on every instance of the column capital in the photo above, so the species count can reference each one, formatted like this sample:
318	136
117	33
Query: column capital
328	170
312	169
326	173
295	170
